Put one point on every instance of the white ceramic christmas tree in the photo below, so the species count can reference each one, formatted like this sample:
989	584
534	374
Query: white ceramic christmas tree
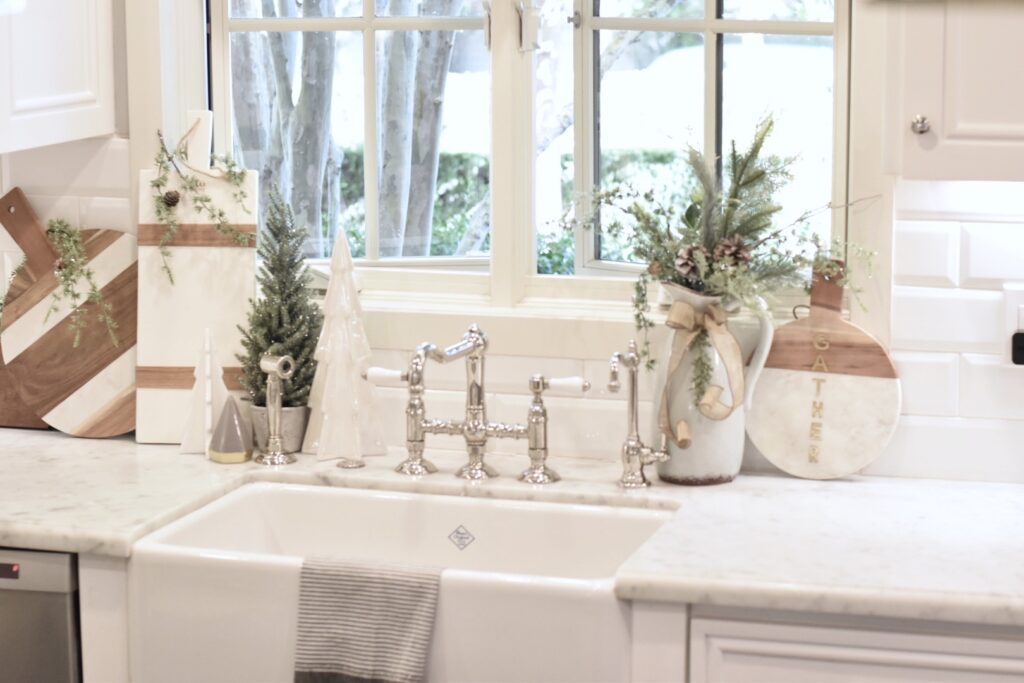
209	394
343	415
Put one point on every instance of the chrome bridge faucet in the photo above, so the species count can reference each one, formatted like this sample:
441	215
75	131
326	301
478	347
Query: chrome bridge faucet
475	427
635	455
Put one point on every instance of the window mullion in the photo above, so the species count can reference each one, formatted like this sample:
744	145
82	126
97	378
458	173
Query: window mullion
585	134
511	157
370	163
220	75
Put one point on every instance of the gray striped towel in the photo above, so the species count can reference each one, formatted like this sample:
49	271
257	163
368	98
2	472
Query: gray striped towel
362	622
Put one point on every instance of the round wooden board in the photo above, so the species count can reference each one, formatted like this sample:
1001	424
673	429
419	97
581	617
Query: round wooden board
89	390
828	400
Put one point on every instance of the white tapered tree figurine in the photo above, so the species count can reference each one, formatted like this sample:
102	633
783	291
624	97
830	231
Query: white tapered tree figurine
343	421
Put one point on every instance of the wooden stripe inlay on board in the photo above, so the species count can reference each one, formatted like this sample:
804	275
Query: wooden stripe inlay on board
844	349
194	235
181	377
50	370
23	297
117	417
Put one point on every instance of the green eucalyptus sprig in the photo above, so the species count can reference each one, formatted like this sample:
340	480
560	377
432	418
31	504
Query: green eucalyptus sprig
10	281
166	201
70	270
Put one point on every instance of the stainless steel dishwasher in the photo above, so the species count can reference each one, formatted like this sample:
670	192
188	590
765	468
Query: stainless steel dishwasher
39	640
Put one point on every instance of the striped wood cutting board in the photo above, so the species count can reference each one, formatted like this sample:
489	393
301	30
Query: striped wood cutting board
23	226
828	400
89	390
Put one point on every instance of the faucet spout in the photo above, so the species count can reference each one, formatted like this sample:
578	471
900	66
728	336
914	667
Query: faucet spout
635	455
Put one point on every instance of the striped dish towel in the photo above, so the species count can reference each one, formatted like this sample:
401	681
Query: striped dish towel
362	622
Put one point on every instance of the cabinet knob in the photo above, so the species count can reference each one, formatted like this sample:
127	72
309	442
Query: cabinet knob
920	124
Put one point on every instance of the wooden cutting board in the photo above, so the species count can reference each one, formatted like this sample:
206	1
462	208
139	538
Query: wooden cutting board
84	391
21	222
828	400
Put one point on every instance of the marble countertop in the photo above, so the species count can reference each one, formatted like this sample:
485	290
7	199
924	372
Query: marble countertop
948	551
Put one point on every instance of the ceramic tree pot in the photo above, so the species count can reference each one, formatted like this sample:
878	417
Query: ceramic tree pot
293	427
715	452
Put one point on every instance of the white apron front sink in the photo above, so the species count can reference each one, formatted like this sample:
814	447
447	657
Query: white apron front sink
213	596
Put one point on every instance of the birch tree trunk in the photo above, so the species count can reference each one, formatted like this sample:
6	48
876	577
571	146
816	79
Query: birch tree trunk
435	56
396	124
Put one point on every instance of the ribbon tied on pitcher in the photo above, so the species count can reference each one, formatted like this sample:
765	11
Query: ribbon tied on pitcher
686	323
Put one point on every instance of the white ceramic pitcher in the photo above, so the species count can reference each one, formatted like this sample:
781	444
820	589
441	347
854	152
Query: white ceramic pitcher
716	451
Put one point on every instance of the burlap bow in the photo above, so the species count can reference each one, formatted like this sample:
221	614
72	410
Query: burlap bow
687	324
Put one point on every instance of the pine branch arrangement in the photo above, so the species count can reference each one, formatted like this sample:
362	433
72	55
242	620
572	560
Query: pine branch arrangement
284	320
723	243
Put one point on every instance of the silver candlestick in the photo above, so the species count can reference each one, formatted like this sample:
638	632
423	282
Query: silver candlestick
278	368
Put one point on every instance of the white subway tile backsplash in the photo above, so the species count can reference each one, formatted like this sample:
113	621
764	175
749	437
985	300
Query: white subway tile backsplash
990	388
926	253
929	382
926	319
50	207
992	253
106	213
93	167
954	448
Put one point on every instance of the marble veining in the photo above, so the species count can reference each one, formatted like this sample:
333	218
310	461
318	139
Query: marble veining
921	549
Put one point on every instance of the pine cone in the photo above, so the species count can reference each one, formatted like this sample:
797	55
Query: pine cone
171	199
733	250
686	261
655	268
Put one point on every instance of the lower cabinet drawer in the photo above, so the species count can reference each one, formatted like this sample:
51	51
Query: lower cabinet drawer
731	651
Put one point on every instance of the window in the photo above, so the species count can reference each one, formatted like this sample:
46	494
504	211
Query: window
423	133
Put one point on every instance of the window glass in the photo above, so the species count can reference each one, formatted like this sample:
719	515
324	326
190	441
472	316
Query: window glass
430	8
434	143
297	100
554	134
802	109
650	106
780	10
258	9
676	9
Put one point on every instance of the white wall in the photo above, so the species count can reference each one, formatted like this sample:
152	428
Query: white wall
85	182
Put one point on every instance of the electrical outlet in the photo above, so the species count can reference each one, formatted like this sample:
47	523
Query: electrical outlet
1017	348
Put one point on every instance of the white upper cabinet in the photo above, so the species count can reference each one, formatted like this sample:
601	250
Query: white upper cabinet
56	72
960	66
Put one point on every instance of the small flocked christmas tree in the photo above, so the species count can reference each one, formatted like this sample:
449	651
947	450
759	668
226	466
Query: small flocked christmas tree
284	321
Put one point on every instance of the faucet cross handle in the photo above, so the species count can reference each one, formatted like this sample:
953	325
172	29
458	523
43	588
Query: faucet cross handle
537	425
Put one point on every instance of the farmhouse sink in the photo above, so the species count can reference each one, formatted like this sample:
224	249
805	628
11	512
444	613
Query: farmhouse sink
526	595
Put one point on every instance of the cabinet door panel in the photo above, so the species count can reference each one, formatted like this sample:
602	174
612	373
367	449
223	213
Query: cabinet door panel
962	62
740	652
56	72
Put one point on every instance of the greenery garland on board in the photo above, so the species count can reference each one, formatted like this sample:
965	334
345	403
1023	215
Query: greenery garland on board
70	270
165	200
10	281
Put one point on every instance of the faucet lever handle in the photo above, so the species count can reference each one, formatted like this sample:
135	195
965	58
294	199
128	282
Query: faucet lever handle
568	385
378	375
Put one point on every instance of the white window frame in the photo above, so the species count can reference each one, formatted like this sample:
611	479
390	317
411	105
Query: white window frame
581	316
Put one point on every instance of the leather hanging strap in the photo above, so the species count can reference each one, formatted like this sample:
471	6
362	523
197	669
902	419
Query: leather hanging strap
687	323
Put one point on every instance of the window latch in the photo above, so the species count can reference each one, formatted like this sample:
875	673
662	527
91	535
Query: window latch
529	26
576	19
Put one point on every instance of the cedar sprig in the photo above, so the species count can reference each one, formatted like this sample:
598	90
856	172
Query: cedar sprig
166	201
71	270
